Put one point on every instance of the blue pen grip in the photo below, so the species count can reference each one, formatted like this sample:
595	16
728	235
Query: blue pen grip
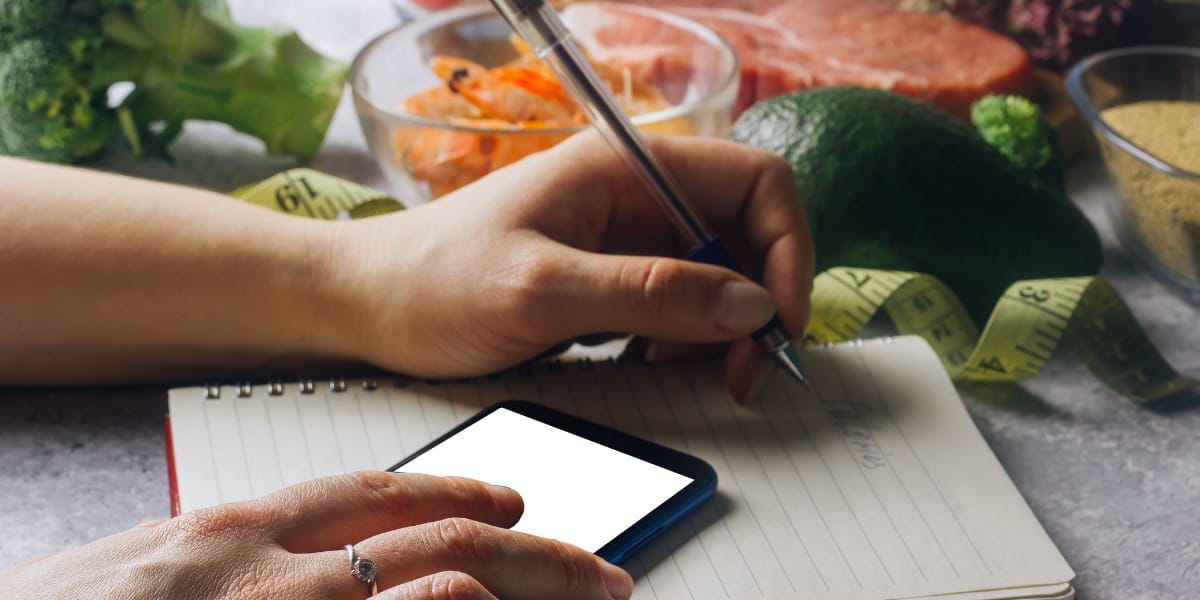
713	252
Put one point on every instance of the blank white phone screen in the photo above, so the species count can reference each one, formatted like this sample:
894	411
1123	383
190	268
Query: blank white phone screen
575	490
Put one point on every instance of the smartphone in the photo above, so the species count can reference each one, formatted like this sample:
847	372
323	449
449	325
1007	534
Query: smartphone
603	490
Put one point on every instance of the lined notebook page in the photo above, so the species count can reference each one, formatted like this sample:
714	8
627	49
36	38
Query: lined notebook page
873	485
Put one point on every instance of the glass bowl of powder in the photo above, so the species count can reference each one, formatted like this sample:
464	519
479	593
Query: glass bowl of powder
1143	105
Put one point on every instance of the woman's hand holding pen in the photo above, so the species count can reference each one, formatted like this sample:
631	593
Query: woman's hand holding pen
568	244
112	279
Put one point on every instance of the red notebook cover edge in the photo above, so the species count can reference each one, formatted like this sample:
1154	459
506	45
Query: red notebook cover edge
171	481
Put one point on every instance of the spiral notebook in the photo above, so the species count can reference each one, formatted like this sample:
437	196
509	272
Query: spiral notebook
874	484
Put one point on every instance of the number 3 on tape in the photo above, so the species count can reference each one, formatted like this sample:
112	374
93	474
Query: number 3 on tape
1029	323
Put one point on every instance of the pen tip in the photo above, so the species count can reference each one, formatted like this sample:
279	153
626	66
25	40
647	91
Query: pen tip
787	357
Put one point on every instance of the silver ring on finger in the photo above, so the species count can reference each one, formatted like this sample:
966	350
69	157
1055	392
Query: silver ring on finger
363	569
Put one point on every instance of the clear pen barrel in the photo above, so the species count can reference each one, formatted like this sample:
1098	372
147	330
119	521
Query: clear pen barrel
539	25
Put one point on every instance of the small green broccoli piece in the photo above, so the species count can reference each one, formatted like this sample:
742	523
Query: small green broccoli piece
1015	127
48	108
185	59
20	18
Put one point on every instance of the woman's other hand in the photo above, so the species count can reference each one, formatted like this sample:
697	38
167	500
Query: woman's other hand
431	538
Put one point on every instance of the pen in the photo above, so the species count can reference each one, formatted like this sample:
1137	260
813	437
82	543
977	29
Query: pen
538	24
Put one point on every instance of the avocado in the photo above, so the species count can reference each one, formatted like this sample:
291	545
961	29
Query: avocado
890	182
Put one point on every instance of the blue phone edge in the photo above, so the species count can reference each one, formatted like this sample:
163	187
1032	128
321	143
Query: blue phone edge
640	534
702	488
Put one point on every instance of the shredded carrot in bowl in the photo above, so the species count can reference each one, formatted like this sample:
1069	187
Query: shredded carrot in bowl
512	102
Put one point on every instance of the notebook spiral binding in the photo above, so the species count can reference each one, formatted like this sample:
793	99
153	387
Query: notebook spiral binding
245	389
339	384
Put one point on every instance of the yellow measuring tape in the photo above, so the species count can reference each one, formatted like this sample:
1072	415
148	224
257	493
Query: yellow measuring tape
313	194
1030	322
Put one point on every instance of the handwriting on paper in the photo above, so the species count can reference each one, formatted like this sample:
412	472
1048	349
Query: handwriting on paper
853	421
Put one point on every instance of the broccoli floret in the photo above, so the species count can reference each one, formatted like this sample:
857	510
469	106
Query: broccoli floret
48	109
1015	127
186	59
20	18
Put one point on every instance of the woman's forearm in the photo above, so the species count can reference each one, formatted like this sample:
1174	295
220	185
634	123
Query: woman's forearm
113	279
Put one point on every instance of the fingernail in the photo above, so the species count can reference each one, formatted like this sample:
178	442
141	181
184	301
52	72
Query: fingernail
743	306
507	499
618	582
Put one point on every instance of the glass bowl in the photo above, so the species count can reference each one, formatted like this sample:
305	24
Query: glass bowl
693	69
1156	208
